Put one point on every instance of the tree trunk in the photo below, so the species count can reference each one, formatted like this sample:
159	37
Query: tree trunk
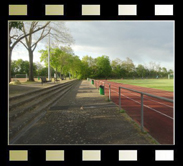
61	76
31	77
10	54
56	73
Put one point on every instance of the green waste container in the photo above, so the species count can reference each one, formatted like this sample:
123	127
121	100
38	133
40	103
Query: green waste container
92	82
38	78
101	90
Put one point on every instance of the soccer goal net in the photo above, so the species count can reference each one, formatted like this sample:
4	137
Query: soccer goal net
21	77
170	76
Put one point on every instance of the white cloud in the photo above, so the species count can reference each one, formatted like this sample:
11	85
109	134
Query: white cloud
142	41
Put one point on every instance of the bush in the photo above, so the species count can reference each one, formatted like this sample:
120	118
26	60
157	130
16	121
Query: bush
80	77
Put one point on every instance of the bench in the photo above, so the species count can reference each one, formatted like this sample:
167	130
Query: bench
43	80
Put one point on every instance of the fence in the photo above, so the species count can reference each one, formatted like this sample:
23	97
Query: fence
107	91
142	106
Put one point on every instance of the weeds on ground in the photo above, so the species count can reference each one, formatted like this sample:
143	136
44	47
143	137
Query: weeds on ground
107	99
122	111
136	125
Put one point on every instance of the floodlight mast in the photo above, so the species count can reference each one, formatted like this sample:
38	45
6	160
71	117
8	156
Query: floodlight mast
49	76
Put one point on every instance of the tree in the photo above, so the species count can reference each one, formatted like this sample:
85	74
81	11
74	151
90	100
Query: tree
44	71
58	58
85	70
59	33
76	67
170	71
116	68
128	67
103	66
153	69
39	68
65	53
91	62
14	69
21	67
25	67
141	72
54	58
15	38
30	45
164	72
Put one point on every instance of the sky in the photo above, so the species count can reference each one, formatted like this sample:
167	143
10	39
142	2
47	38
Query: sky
141	41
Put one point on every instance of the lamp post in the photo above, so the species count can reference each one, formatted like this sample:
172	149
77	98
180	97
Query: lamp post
49	76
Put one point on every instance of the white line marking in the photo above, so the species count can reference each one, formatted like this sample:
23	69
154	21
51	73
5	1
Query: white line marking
147	106
152	100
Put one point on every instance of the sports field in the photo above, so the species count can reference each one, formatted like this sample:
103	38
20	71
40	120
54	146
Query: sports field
158	114
163	84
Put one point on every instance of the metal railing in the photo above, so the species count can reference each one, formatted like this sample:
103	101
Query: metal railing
142	98
98	82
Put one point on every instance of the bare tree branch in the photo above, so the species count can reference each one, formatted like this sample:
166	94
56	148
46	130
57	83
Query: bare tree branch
27	34
41	37
24	45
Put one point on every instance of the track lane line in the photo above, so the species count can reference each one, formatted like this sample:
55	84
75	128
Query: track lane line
149	99
147	106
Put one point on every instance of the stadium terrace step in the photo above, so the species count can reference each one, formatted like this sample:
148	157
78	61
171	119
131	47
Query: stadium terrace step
27	111
28	97
13	98
34	101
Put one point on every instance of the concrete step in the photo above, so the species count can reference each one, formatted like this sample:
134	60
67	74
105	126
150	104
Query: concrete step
16	124
35	102
22	96
20	101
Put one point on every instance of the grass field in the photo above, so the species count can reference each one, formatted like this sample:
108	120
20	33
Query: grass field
163	84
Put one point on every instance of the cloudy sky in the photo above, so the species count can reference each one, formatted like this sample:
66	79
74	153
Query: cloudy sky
141	41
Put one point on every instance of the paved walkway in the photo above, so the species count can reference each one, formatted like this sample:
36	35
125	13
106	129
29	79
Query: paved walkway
84	116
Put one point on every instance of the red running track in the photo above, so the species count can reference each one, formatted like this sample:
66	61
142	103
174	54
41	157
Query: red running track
158	114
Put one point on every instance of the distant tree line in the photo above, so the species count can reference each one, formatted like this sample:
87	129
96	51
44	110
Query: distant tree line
127	69
64	63
22	67
102	67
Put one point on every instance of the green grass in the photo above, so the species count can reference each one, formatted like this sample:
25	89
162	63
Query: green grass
163	84
122	111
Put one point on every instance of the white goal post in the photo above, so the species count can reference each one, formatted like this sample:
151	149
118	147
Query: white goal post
21	76
170	76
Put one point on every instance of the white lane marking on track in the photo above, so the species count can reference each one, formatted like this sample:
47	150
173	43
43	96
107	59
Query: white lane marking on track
147	106
152	100
139	88
114	91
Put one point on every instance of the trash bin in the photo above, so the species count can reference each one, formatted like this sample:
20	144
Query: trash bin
92	82
38	78
101	90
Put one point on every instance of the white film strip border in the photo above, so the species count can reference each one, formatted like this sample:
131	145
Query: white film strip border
93	10
91	155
